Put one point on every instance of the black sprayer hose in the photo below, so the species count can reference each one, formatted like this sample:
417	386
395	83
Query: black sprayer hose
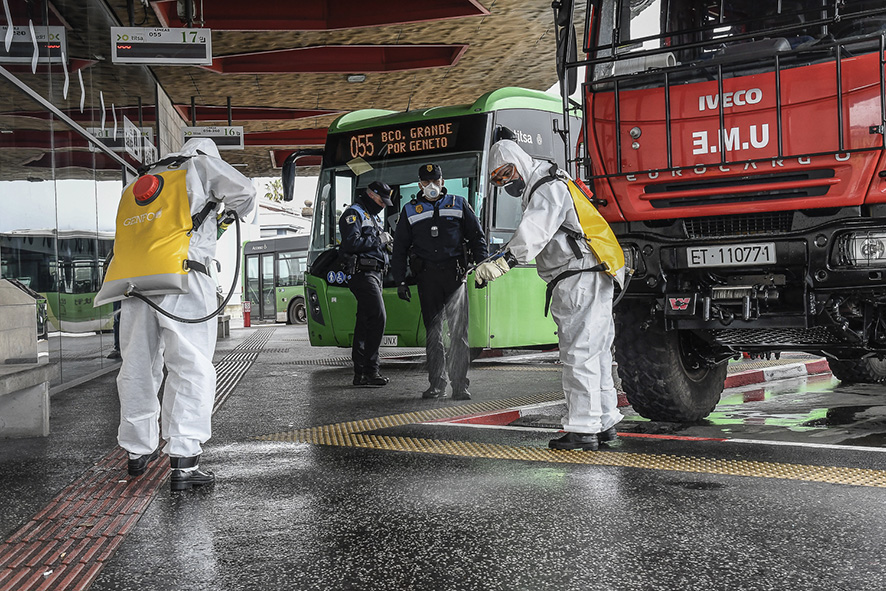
218	310
621	294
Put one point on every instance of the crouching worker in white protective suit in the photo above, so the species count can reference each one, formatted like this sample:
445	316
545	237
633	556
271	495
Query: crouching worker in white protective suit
163	249
555	231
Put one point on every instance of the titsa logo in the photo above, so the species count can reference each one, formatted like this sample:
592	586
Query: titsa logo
143	218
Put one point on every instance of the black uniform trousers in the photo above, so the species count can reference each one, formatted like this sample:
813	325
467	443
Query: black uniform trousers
370	325
443	295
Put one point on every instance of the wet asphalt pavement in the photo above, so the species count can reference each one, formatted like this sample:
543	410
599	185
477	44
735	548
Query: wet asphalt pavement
781	488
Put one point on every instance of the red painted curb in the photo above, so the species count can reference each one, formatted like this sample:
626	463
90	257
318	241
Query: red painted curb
758	376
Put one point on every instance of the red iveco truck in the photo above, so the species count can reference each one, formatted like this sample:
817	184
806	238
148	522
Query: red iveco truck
737	149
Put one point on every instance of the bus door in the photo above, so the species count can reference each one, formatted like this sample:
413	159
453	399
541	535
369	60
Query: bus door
260	286
268	301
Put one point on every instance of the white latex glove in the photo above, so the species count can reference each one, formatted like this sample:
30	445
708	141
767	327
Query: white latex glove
387	241
491	271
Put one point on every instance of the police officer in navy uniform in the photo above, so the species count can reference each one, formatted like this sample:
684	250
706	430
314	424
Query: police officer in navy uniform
439	232
364	247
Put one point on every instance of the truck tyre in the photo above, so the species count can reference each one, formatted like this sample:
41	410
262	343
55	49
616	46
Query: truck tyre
862	371
297	313
657	373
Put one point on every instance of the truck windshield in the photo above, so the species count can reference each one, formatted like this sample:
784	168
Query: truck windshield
654	34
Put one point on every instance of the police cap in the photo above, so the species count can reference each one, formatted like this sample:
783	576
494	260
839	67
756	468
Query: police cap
382	190
430	172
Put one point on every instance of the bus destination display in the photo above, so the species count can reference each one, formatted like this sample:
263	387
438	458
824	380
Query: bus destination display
452	135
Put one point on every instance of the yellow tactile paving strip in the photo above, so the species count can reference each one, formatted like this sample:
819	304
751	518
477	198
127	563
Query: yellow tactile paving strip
354	434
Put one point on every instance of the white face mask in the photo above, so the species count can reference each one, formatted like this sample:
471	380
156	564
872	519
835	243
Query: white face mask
432	191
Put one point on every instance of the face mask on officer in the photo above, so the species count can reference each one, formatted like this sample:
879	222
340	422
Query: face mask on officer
432	191
507	176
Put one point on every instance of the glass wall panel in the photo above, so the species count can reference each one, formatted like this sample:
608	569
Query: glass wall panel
58	190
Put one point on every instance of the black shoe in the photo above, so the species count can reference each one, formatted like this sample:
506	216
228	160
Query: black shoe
582	441
610	435
114	354
375	380
461	395
186	474
359	380
433	392
139	465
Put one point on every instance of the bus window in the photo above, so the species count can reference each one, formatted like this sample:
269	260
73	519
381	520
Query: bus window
344	196
506	214
290	269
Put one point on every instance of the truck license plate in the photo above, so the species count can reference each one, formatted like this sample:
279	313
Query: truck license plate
727	255
389	340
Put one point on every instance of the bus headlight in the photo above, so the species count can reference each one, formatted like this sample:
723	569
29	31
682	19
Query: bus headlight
314	305
862	249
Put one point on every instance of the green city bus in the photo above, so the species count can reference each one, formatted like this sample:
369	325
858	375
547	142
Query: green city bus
273	278
369	145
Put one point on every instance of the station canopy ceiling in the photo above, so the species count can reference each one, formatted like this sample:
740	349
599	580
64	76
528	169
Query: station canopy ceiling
289	68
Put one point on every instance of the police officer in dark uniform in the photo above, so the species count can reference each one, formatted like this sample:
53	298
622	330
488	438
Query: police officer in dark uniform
439	232
364	247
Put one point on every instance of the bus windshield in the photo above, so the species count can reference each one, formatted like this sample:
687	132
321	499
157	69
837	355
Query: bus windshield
338	187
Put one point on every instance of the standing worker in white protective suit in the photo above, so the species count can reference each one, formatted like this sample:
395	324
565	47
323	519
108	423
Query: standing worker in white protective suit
579	291
177	201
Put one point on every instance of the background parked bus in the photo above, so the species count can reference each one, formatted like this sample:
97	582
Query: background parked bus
369	145
65	267
273	278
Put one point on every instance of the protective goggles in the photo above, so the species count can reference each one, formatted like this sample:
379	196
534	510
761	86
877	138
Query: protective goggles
504	174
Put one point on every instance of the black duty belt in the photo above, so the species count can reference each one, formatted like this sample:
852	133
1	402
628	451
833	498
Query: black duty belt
549	292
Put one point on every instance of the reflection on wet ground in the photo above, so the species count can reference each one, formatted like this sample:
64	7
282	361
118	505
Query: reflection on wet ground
811	409
815	408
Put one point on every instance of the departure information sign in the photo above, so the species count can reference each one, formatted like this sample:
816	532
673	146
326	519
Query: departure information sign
170	47
226	138
51	44
124	140
442	136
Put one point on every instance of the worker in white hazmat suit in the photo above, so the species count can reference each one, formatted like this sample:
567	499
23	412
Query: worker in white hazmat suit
580	300
149	339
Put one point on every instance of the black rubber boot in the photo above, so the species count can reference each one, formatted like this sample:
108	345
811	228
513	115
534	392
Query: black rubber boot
375	379
582	441
609	436
186	474
139	465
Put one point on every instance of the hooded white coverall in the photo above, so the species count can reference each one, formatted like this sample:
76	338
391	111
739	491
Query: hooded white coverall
581	304
148	339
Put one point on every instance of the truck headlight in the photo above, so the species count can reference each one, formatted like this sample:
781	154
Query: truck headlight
633	259
864	249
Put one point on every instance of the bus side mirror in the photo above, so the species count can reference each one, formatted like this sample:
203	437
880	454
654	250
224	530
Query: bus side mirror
289	170
288	177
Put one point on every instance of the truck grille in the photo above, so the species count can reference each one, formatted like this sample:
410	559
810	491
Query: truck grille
778	222
819	335
758	187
